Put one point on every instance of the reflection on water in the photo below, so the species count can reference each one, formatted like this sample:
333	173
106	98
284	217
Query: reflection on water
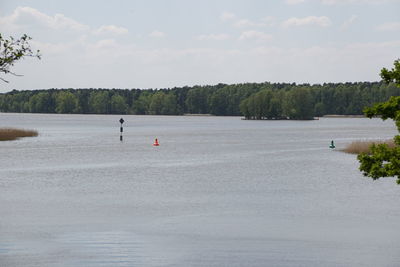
216	192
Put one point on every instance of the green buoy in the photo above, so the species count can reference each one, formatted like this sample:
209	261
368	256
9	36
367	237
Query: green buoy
332	145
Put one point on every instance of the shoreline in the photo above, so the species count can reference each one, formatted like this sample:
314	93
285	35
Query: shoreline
186	115
342	116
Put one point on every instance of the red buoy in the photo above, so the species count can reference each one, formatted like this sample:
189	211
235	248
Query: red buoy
156	142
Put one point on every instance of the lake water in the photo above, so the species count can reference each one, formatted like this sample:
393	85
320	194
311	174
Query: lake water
218	191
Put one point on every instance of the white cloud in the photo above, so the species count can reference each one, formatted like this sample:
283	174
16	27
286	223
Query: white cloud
111	29
349	22
215	37
255	35
245	23
226	16
294	2
322	21
390	26
157	34
28	16
269	21
106	44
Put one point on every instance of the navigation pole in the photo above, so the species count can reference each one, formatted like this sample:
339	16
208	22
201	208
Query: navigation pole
121	129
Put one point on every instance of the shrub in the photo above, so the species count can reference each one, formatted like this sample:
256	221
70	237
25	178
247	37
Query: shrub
361	146
7	134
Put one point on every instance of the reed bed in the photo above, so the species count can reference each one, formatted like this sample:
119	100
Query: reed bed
360	146
8	134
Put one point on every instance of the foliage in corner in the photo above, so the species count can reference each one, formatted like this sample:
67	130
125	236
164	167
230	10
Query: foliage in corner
383	161
12	50
392	75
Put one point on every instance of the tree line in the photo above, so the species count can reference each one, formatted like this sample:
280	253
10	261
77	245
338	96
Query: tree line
252	100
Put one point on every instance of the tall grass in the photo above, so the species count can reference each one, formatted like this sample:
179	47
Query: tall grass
7	134
358	147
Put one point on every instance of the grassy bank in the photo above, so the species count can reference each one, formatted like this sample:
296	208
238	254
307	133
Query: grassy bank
358	147
7	134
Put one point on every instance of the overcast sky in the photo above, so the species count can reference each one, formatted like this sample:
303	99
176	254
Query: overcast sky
167	43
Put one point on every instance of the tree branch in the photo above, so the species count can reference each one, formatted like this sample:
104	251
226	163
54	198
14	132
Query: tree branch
12	50
4	80
18	75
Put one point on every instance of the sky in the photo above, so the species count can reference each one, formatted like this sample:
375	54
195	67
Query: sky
168	43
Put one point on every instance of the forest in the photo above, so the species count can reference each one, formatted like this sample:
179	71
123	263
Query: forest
251	100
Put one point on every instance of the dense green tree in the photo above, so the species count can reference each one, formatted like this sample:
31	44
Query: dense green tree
66	102
384	161
319	109
219	103
83	100
299	105
156	104
99	102
142	104
275	106
41	103
197	100
245	109
163	103
265	104
118	104
170	105
392	75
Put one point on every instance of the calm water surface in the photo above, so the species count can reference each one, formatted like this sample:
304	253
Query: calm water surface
218	191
